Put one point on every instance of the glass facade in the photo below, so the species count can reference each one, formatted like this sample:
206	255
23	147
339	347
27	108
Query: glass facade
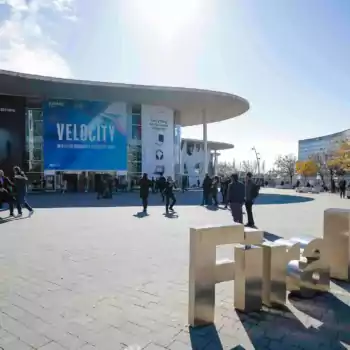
323	144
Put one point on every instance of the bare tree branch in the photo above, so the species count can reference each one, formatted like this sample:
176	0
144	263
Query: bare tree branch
285	165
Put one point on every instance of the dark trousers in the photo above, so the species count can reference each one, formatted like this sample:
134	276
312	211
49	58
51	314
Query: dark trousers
21	202
342	192
215	197
161	189
223	194
205	200
249	209
237	212
10	203
167	202
144	202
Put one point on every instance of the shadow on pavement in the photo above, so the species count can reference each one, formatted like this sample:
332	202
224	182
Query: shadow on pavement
141	214
271	236
342	285
331	311
72	200
205	338
270	330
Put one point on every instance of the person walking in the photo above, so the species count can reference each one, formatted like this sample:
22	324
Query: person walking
144	191
342	187
206	189
169	195
161	185
20	181
235	198
251	192
6	186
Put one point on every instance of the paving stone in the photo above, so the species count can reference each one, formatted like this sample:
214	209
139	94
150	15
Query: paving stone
99	276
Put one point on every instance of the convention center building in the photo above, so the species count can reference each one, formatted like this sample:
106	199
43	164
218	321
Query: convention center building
60	128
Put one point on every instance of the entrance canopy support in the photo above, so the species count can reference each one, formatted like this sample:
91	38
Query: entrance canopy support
205	142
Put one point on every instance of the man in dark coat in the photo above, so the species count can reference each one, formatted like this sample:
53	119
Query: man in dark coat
207	182
169	195
6	188
235	197
144	191
161	185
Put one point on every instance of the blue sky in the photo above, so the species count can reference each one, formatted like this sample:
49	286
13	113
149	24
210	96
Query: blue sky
290	59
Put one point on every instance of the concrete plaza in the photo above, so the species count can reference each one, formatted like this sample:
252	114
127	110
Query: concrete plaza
87	274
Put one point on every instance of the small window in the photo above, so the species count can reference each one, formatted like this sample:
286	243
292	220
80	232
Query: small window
136	109
136	119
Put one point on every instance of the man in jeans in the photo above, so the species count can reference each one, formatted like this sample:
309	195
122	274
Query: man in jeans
251	192
235	197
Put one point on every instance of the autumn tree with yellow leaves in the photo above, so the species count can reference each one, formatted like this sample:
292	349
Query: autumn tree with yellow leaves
306	168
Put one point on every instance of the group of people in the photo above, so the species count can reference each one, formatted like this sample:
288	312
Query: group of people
240	194
235	194
164	186
13	191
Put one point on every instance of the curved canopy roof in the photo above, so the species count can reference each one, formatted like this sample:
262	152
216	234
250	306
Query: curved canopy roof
190	103
212	145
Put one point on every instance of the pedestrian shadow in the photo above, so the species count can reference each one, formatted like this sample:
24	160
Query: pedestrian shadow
141	214
331	311
16	218
205	337
173	215
283	330
212	207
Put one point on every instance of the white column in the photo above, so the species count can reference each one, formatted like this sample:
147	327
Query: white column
205	142
216	163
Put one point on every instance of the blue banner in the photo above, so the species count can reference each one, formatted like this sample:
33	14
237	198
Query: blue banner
85	136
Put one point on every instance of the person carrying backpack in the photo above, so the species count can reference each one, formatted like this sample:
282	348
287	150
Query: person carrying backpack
251	193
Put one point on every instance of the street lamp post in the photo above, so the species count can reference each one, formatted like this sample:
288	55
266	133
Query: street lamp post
257	155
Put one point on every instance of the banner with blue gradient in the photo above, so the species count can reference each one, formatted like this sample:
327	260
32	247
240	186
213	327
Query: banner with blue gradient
85	136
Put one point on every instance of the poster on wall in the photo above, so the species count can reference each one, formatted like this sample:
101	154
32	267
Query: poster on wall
12	132
192	158
85	135
157	141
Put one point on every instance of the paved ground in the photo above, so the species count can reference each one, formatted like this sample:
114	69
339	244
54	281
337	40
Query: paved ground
86	274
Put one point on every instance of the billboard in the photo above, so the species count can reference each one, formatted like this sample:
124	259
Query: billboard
157	141
12	132
85	135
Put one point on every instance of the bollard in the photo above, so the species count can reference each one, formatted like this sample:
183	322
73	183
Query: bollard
336	231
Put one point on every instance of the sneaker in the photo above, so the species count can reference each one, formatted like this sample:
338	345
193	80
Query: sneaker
31	212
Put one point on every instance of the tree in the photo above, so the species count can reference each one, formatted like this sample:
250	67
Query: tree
306	168
340	159
285	166
226	168
247	166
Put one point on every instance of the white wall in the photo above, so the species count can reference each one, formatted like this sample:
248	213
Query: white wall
157	140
